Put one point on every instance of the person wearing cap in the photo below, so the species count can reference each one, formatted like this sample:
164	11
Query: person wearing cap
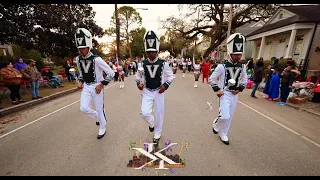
153	79
228	97
91	79
31	73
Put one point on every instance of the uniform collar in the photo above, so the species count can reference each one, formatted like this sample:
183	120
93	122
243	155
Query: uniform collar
155	60
231	61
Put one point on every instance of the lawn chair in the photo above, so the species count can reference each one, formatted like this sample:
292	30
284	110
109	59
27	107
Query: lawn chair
314	79
43	82
24	86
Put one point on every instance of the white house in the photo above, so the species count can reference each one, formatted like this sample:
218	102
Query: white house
292	32
6	50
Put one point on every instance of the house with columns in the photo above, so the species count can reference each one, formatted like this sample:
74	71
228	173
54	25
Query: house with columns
6	50
292	32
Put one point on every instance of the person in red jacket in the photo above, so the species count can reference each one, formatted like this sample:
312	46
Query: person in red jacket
205	70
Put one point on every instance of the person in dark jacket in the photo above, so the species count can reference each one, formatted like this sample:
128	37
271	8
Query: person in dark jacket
67	67
257	78
288	76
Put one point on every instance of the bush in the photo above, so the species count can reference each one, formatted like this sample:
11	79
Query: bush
11	59
36	55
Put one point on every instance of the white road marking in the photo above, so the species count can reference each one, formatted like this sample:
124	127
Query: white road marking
17	129
287	128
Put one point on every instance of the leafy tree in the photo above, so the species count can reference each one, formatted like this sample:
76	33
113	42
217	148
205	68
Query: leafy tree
49	28
128	17
137	44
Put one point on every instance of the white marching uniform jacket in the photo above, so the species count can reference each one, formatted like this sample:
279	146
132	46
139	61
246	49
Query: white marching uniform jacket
162	76
91	70
196	67
226	71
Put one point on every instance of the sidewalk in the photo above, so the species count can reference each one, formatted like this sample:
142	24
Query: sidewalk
309	107
46	93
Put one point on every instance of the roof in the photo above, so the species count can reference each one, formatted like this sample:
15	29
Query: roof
245	30
304	14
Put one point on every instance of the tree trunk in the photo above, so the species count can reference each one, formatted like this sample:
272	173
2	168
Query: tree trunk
127	36
128	44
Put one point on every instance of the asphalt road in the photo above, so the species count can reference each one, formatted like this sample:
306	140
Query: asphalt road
55	138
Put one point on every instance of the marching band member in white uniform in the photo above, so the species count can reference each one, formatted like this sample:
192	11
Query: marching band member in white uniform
196	71
121	74
228	97
91	68
151	81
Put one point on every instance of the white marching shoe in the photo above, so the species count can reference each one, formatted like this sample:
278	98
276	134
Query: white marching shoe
184	75
195	84
121	84
224	139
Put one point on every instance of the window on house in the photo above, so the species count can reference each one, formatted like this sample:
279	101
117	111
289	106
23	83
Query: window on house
282	40
299	38
268	42
280	16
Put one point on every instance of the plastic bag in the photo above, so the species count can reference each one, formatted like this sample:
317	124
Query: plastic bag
292	94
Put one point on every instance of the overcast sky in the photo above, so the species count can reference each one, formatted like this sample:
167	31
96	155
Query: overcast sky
149	17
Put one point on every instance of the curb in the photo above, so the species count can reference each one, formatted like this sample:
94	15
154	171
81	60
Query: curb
31	103
302	109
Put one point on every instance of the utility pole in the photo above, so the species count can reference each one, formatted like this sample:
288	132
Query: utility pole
117	30
230	20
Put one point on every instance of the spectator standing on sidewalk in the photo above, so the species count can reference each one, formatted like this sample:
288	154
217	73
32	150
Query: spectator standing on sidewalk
257	77
31	73
12	78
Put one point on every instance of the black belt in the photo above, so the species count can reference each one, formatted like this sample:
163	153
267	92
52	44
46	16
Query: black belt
90	83
153	89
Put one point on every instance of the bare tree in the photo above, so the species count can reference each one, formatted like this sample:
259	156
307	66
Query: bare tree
212	20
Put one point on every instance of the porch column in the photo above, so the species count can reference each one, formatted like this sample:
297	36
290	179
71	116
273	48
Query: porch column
254	50
263	39
306	43
243	57
289	51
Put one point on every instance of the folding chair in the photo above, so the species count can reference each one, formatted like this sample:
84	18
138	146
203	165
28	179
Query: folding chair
24	85
43	82
314	79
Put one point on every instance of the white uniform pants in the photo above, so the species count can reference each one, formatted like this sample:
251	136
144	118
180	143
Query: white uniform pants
89	93
150	98
227	106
